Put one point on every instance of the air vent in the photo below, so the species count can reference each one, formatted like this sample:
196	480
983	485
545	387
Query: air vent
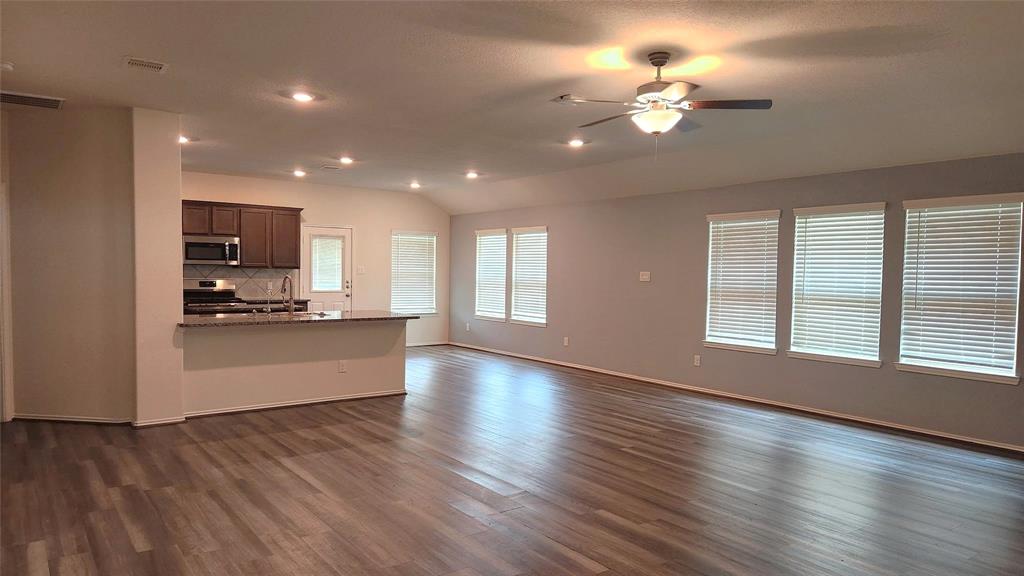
330	167
31	100
147	65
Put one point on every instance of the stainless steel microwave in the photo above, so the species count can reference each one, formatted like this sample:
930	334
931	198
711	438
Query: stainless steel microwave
221	250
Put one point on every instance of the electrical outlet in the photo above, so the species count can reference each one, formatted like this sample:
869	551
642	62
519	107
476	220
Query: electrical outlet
467	326
645	276
565	341
696	359
270	284
342	367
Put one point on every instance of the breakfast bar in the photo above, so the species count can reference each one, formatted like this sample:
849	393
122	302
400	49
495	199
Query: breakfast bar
235	362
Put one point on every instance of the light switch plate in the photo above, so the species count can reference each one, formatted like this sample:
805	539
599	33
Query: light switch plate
360	269
645	276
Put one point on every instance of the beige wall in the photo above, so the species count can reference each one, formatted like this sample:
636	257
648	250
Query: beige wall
615	322
72	267
373	214
157	219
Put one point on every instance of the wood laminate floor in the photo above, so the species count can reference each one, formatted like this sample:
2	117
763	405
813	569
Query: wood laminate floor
498	466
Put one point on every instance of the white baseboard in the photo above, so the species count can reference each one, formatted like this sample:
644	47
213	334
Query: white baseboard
417	344
158	422
712	392
64	418
269	405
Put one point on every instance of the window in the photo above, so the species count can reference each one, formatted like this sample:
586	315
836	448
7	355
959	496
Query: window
742	272
960	287
326	263
490	273
837	283
413	272
530	275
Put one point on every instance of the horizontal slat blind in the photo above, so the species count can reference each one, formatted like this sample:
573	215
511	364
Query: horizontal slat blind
413	272
837	282
960	287
529	274
326	263
742	273
490	273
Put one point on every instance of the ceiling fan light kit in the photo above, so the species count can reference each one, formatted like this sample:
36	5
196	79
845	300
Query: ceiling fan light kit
659	103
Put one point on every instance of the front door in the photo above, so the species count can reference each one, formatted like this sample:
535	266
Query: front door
327	268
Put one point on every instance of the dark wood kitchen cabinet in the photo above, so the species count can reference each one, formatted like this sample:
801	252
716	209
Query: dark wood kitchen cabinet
269	236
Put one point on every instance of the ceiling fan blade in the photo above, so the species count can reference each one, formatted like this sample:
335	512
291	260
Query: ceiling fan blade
571	99
727	104
607	119
678	90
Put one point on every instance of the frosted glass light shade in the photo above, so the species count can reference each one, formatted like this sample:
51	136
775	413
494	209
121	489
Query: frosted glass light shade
656	121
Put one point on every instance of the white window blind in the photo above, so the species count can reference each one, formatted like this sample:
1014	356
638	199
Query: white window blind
326	263
742	273
530	275
961	273
490	273
837	280
413	272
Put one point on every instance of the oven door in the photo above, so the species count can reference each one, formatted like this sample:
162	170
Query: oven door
221	250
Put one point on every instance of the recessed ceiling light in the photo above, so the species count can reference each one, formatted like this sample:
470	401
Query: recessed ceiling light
576	143
472	174
346	160
414	185
303	97
299	173
184	140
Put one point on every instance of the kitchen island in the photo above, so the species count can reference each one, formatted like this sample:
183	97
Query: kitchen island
238	362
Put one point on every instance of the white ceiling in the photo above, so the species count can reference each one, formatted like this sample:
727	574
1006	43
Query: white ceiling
426	90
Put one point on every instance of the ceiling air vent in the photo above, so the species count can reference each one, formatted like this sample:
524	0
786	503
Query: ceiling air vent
330	167
31	100
143	64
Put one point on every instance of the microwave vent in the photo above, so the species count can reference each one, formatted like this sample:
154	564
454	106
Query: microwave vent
31	100
146	65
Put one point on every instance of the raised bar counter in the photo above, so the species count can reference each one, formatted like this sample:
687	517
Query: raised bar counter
282	318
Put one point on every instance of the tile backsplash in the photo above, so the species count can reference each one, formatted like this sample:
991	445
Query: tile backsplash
251	283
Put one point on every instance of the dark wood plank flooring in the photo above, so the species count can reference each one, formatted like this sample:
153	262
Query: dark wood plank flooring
498	466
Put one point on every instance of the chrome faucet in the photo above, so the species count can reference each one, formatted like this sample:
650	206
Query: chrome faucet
286	285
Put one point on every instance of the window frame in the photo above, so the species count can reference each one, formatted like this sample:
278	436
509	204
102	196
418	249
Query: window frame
821	356
312	269
391	274
722	343
950	371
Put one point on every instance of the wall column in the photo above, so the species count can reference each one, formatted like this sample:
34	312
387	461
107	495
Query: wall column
157	230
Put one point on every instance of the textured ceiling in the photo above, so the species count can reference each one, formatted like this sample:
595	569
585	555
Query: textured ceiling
427	90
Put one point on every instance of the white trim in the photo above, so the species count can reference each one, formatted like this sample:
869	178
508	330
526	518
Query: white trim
269	405
492	232
979	199
757	215
418	344
962	374
528	229
528	323
158	422
756	400
490	318
66	418
840	209
741	347
835	359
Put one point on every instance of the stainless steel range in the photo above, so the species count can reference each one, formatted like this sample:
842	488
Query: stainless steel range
213	296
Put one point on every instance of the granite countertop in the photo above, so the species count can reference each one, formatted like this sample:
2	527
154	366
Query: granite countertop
263	319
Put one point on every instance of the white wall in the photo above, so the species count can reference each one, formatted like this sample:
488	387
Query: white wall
615	322
71	257
157	233
372	214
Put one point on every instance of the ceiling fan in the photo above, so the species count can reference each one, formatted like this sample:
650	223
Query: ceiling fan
658	103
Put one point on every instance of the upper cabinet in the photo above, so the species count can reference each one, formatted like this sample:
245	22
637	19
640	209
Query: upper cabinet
269	236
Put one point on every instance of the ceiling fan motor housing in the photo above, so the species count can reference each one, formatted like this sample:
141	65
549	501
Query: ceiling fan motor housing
651	92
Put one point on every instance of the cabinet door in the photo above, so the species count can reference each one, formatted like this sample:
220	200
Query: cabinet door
224	221
285	235
254	236
195	219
